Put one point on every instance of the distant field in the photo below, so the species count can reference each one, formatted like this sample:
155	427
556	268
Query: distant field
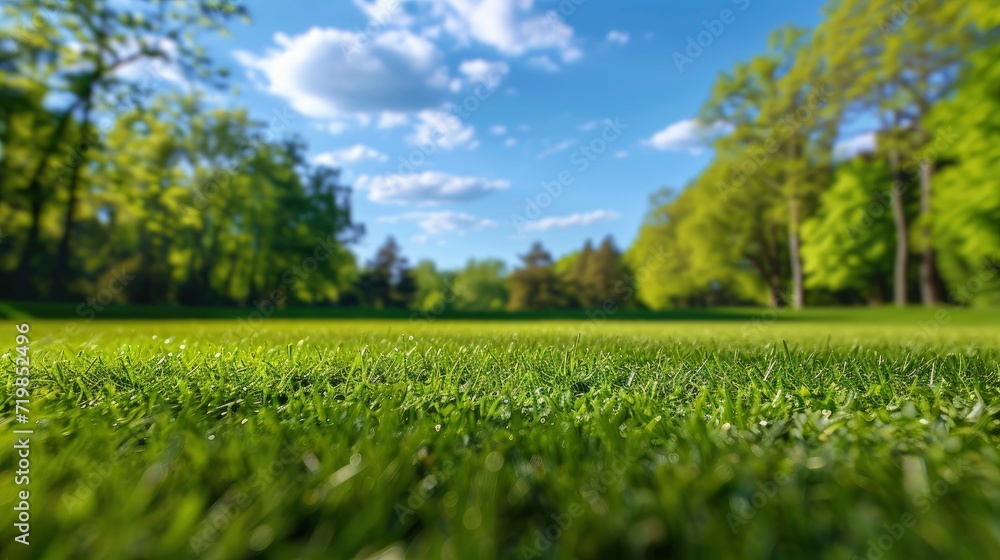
865	435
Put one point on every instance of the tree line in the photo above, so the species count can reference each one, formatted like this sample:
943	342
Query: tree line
585	279
108	178
779	217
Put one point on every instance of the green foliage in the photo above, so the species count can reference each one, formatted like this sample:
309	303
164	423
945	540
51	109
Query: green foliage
967	207
480	286
592	277
535	285
767	212
670	284
849	242
388	280
166	200
432	286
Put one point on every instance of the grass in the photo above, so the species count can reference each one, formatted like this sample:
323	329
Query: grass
558	439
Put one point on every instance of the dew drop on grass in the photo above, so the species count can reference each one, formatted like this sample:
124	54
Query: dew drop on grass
429	482
261	538
815	463
473	518
494	461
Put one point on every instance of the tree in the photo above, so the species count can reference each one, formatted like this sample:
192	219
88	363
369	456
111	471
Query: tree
92	43
433	288
578	283
848	243
193	207
606	269
900	68
966	208
480	286
658	241
388	281
535	284
775	104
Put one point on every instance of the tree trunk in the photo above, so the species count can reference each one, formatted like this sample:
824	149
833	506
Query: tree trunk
773	292
767	264
798	290
876	291
60	271
4	141
902	233
22	277
252	275
230	277
931	286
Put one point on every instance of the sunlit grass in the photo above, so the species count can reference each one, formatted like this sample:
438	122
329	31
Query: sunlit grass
568	439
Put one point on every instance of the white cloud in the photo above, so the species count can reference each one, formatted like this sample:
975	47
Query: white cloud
389	119
573	220
384	12
589	125
498	129
855	145
146	70
484	71
620	37
621	154
689	135
327	72
543	62
443	222
510	142
354	154
509	26
564	145
427	188
336	127
444	130
394	65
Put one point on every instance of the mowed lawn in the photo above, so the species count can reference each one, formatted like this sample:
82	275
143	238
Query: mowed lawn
473	439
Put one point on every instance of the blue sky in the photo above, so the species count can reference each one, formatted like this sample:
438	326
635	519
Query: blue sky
449	117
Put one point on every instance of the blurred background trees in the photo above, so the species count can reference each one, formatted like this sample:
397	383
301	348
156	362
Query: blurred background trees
112	176
779	210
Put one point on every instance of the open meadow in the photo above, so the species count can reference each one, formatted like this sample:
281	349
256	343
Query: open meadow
509	439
